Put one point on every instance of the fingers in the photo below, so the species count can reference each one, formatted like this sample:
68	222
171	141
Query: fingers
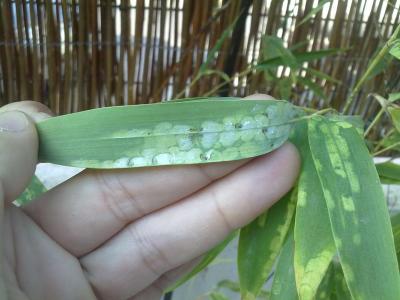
35	110
90	208
259	97
176	234
18	156
156	290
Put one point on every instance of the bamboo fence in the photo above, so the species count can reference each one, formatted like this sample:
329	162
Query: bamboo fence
75	55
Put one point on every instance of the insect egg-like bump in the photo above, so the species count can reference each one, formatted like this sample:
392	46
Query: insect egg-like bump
248	128
122	162
162	159
162	128
139	161
185	142
193	155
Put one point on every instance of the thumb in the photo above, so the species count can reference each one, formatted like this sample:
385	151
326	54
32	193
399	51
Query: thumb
18	154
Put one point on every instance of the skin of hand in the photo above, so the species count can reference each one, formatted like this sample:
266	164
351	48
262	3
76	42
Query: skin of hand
121	234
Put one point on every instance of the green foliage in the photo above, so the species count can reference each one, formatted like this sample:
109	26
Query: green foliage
34	189
184	132
331	236
314	11
357	210
315	246
284	284
395	49
275	54
262	240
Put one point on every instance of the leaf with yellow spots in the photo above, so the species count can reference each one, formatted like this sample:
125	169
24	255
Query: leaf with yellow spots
260	243
34	189
314	244
325	289
357	210
283	286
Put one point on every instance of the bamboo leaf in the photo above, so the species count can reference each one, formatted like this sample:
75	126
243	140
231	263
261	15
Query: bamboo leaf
216	295
314	11
395	49
211	55
313	86
394	97
326	287
395	221
284	286
273	49
389	172
357	209
341	290
314	244
234	286
300	58
322	75
207	259
34	190
185	132
221	74
395	115
260	243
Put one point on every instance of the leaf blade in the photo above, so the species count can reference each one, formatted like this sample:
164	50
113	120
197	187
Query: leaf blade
359	216
197	131
260	243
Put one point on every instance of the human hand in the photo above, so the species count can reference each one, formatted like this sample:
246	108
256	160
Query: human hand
121	234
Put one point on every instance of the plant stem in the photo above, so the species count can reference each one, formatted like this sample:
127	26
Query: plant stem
245	72
378	58
374	122
387	148
383	139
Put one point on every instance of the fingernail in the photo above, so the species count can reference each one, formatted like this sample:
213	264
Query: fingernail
13	121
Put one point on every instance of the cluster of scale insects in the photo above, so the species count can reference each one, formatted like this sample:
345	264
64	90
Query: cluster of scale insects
233	137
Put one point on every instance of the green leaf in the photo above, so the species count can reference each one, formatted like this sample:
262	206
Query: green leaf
313	86
284	286
314	244
285	87
391	140
216	295
207	259
230	285
395	221
314	11
357	209
326	287
221	74
273	48
211	55
234	286
381	66
394	97
34	190
356	121
395	49
260	243
187	132
395	115
300	58
341	290
321	75
389	172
